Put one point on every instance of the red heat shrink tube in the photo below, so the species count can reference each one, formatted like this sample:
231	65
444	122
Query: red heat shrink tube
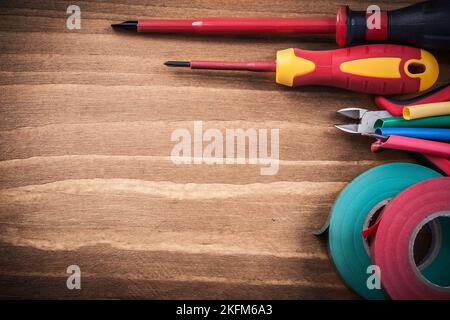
426	147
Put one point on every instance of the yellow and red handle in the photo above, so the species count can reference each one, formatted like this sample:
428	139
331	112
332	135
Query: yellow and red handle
376	69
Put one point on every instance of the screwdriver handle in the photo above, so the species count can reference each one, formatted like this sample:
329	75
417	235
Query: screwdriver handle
395	107
425	24
382	69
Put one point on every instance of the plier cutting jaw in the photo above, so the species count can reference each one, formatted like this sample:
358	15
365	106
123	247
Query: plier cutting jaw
367	119
365	127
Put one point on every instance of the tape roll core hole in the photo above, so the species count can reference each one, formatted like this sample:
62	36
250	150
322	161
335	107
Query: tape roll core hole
416	68
425	246
427	241
371	219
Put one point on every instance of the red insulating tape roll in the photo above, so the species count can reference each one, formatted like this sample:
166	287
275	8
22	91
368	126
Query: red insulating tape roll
392	249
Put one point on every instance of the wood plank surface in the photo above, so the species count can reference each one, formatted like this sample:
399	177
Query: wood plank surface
86	176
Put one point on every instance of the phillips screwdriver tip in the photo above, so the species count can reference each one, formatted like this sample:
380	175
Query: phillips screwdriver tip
177	63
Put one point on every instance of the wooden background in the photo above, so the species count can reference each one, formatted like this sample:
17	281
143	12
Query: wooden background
85	173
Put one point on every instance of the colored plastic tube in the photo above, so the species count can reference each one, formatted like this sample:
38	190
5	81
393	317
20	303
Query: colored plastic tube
441	164
439	149
395	107
431	122
420	133
426	110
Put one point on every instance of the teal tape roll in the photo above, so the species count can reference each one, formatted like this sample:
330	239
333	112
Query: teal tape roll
350	213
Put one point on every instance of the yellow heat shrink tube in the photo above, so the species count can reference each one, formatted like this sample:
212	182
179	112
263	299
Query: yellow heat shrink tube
426	110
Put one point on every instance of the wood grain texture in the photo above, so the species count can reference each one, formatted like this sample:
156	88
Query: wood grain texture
85	173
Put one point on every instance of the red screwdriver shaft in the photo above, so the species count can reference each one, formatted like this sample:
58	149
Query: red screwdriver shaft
261	66
258	66
239	25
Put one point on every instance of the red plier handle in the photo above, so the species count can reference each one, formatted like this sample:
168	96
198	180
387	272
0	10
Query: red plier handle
395	107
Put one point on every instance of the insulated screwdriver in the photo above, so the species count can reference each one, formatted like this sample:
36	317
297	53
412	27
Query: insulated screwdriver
376	69
425	24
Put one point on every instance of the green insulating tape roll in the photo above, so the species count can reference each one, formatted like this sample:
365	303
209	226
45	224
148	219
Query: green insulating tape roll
430	122
349	216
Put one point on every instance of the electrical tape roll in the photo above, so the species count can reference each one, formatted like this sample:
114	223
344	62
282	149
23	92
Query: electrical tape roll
349	216
393	244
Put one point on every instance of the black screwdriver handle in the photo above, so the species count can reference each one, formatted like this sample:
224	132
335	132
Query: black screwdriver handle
425	25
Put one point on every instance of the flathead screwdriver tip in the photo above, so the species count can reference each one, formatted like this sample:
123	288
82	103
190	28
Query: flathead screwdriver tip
178	63
126	25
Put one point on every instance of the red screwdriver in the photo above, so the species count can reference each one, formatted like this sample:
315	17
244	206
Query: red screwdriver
382	69
425	24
